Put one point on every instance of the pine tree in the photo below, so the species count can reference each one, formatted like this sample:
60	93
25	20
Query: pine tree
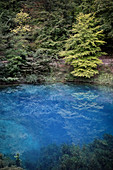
82	49
18	50
104	11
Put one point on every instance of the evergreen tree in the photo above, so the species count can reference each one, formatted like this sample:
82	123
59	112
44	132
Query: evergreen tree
83	47
18	50
86	6
52	27
104	11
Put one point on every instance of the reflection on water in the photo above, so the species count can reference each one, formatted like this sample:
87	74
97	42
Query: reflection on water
35	116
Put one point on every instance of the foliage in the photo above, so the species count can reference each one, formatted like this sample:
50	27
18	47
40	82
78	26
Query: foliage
104	78
43	58
7	163
82	48
93	156
31	78
53	27
3	37
22	19
104	11
96	155
9	79
48	158
39	29
18	50
17	159
86	6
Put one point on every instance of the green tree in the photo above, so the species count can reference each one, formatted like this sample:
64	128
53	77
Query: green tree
50	30
82	49
18	50
86	6
1	35
104	11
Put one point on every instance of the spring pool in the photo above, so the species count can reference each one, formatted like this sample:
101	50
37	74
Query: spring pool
33	116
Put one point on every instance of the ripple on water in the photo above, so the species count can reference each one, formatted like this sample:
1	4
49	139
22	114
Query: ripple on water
33	116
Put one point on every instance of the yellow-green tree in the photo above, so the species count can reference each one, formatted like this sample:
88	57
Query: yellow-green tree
82	49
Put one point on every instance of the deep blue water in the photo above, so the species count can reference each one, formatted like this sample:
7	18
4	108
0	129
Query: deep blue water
32	116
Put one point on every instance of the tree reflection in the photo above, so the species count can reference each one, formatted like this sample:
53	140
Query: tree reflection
83	117
53	114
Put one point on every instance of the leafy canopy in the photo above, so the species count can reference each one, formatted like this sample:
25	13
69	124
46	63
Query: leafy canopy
82	49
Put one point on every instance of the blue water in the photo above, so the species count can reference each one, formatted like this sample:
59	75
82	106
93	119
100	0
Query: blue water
33	116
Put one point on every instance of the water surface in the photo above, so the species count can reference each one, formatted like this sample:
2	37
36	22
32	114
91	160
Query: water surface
32	116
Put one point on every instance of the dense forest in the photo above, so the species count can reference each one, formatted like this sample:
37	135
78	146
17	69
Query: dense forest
56	40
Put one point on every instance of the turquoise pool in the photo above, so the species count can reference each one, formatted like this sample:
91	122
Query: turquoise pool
33	116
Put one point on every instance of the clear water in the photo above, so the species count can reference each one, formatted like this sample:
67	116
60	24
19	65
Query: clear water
32	116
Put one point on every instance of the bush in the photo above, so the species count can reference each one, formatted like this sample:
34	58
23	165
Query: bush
31	78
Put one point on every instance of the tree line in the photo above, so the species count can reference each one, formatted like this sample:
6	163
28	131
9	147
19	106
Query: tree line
34	34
